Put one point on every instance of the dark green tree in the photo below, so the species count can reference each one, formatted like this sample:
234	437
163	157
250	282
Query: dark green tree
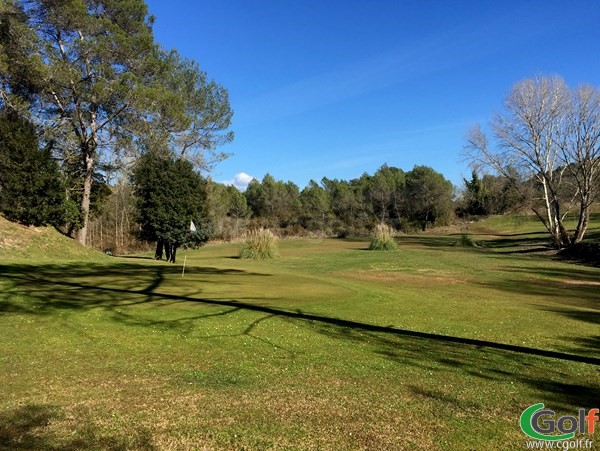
275	201
316	207
387	193
429	196
31	191
475	195
170	196
344	203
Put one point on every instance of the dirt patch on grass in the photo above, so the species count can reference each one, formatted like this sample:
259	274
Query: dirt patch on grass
585	283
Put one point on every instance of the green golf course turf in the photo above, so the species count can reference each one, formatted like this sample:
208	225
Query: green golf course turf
330	346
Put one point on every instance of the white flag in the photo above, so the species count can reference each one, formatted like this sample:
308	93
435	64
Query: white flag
192	227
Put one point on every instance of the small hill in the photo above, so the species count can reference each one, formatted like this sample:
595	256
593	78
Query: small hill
18	242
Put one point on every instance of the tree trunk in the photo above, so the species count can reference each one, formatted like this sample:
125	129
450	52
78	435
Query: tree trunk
158	255
559	233
81	234
173	253
582	224
168	251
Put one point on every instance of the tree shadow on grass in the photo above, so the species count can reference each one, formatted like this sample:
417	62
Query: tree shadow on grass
87	286
571	287
434	241
29	427
493	363
589	345
505	243
44	289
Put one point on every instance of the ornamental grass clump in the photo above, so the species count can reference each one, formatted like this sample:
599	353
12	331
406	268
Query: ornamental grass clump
383	239
259	244
465	241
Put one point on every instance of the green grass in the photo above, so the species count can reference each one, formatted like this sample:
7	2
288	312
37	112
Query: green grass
328	347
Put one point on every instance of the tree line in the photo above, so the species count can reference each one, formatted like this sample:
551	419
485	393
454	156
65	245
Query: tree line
163	202
418	198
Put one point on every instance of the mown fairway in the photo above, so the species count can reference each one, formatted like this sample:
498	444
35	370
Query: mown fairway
330	346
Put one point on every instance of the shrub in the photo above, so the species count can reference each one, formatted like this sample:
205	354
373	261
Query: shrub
465	241
383	239
259	244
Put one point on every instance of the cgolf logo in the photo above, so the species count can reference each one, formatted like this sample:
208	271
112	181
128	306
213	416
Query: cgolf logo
540	423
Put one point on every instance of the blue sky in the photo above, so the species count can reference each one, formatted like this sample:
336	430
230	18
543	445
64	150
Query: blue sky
337	88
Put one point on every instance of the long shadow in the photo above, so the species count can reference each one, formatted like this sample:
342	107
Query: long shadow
86	286
491	363
508	241
60	288
505	243
513	235
133	257
569	286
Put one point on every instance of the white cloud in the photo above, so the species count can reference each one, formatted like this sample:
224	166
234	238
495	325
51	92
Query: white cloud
240	181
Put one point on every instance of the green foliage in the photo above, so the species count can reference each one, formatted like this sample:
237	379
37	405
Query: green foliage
276	201
387	192
428	196
169	195
475	195
31	191
259	244
228	210
421	196
494	194
383	239
21	68
194	113
316	207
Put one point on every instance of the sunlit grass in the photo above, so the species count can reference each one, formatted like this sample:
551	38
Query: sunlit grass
328	347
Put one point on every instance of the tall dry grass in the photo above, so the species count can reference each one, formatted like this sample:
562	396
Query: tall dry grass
259	244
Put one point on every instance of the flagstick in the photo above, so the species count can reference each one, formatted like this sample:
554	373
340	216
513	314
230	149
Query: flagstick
183	270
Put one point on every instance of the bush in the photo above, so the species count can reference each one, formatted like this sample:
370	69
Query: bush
259	244
465	241
383	239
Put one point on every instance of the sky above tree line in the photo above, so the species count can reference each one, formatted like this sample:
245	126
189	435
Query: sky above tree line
337	88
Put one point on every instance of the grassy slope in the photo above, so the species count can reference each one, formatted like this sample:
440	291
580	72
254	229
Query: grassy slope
124	353
21	243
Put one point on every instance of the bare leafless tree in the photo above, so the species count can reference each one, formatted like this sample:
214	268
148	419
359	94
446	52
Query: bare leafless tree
547	134
579	143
